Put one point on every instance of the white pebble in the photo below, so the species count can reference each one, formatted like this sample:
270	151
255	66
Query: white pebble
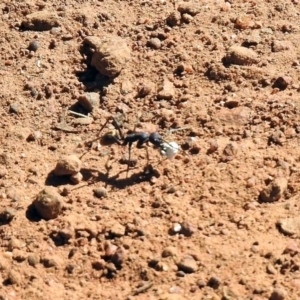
169	149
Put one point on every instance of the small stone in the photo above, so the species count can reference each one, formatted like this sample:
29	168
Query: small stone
14	108
290	226
66	233
278	294
166	90
89	101
110	249
145	89
34	136
117	230
76	178
33	259
40	21
176	228
119	256
187	18
111	54
99	264
67	165
19	255
278	138
15	243
49	262
236	116
187	229
100	192
3	172
33	46
230	149
188	264
201	283
174	19
238	55
282	82
14	277
188	8
271	269
214	282
274	191
48	203
169	251
279	46
7	214
126	87
83	121
180	274
154	43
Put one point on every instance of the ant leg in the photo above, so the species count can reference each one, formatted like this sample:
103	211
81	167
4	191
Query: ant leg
116	124
129	158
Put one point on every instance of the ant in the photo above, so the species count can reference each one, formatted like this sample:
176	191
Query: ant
141	138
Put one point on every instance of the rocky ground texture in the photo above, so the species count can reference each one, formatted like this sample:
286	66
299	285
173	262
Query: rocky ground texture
218	221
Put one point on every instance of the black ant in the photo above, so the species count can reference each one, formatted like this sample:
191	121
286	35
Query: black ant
141	138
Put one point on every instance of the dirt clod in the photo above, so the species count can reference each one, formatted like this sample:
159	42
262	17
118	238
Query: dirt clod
48	203
111	54
67	165
41	21
274	191
188	264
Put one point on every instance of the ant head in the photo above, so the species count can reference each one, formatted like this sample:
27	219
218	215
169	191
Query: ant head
155	139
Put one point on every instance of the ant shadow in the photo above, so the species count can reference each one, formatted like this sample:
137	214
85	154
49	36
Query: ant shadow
90	178
120	183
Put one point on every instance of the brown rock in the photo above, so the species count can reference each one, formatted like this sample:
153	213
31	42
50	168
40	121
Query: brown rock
67	165
7	214
290	226
188	264
89	101
111	54
166	90
169	251
274	191
278	294
188	8
278	46
236	116
282	82
117	230
40	21
33	259
154	43
174	19
48	203
238	55
14	277
76	178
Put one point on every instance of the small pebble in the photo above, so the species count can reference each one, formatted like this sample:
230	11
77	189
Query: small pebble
14	108
100	192
154	43
117	230
33	259
76	178
33	46
169	251
67	165
48	203
7	214
14	277
278	294
214	282
188	264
